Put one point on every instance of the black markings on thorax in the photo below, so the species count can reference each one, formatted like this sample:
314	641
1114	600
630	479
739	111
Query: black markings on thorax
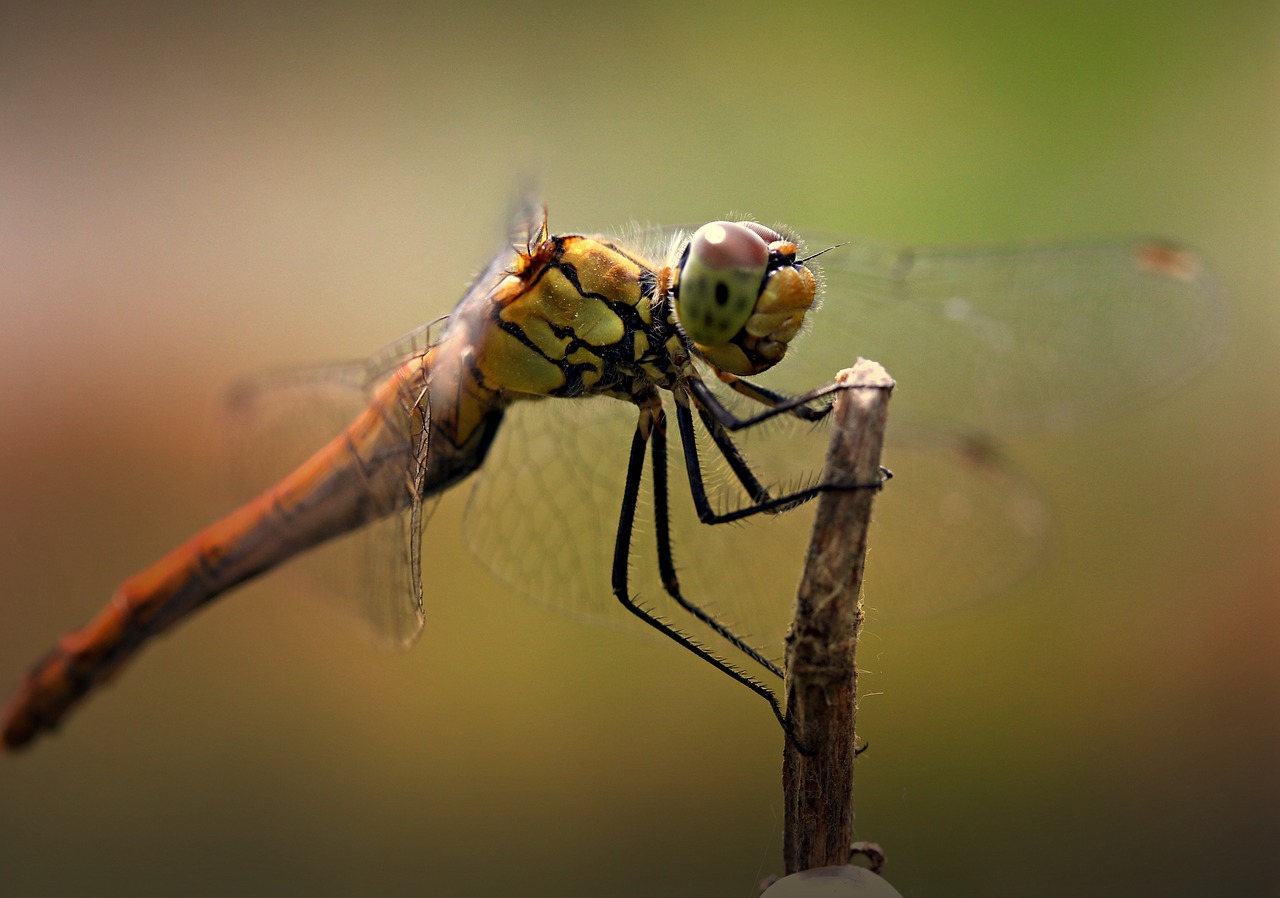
618	367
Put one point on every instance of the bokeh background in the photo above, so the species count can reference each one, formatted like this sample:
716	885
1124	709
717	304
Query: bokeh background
190	192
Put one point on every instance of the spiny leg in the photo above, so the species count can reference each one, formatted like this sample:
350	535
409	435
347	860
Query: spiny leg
761	500
622	551
733	456
741	468
776	404
666	562
772	399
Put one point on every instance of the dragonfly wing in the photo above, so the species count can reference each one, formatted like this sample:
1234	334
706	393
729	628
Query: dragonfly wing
544	509
984	343
999	340
957	524
275	423
543	515
1005	340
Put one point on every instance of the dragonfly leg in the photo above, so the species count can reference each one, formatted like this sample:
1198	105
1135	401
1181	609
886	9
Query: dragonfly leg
649	419
772	399
666	562
761	500
776	404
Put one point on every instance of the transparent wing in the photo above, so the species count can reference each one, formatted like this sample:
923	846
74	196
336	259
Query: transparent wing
543	515
276	422
984	344
955	525
999	340
544	509
1005	340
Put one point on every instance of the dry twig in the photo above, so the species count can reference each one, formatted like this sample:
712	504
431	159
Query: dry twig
821	683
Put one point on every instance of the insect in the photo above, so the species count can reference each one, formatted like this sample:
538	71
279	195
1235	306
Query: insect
699	329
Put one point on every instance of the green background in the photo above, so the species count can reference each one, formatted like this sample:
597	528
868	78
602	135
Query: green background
190	193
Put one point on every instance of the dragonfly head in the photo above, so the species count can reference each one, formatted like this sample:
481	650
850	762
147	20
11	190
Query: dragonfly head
740	295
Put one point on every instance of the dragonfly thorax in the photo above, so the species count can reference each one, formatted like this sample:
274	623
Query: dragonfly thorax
574	316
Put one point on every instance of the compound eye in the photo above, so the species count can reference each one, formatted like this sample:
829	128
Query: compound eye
768	235
720	281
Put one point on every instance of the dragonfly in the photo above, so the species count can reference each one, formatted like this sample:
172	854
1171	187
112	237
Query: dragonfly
565	343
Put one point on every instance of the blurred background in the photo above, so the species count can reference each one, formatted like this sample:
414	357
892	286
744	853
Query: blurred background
190	193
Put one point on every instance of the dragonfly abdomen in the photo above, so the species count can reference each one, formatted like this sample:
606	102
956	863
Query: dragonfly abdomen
363	474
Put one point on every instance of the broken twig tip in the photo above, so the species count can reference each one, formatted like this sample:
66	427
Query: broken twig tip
866	374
